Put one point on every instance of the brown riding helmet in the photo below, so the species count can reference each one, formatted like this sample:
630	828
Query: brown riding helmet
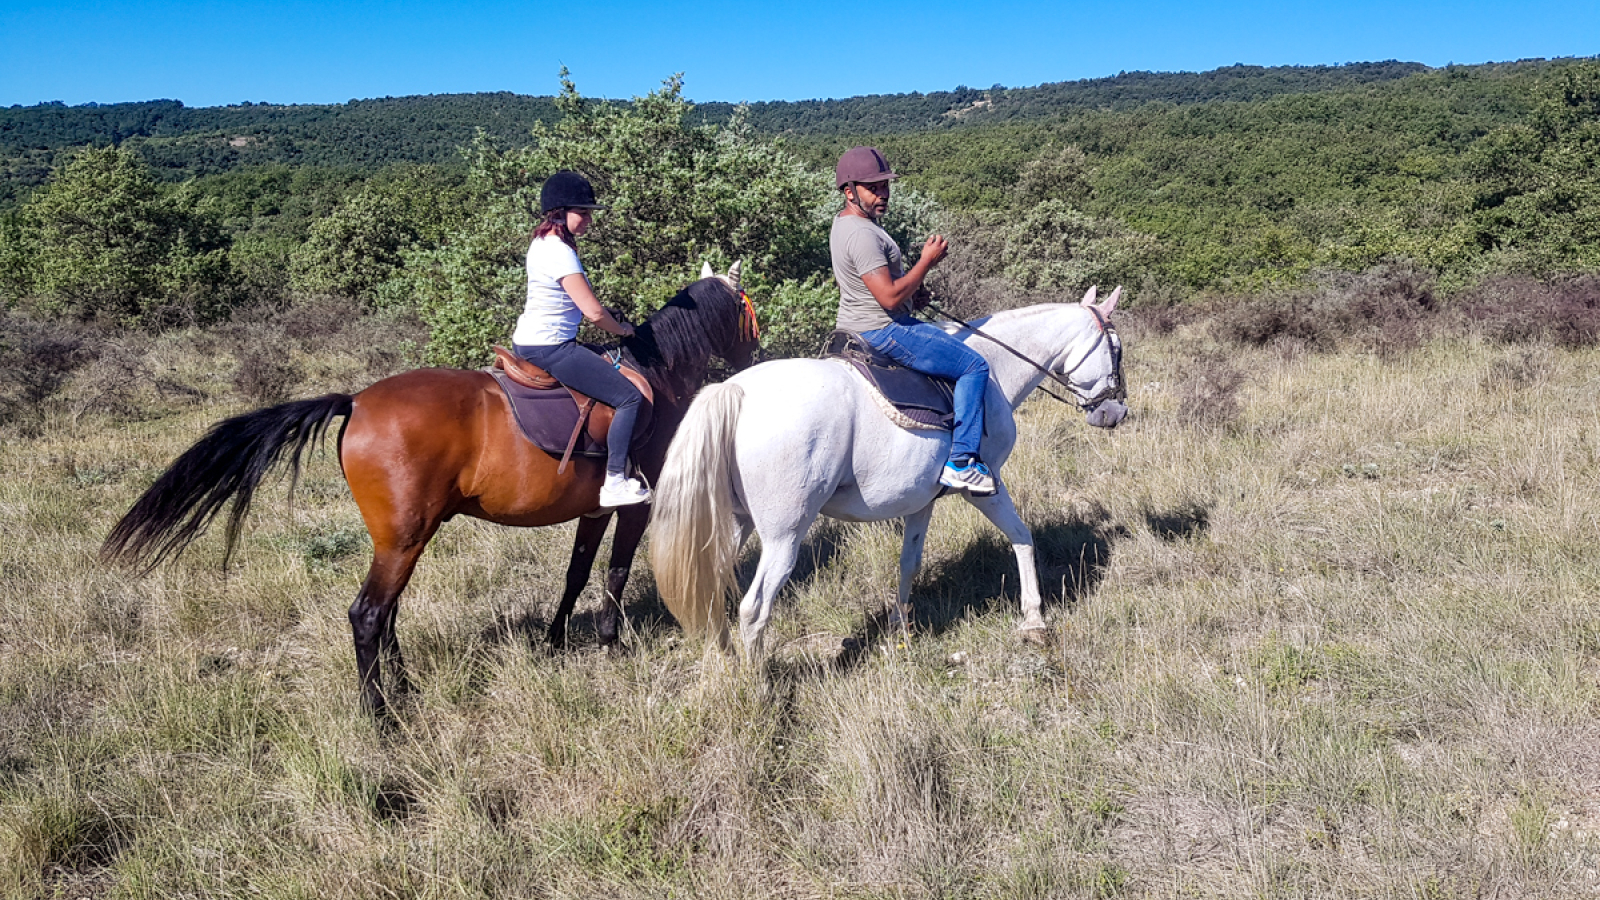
864	165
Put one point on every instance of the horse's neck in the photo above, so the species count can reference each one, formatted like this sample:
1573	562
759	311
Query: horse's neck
675	383
1046	335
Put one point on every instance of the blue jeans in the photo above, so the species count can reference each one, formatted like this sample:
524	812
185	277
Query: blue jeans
922	347
583	370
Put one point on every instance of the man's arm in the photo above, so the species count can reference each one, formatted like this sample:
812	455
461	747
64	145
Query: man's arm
892	293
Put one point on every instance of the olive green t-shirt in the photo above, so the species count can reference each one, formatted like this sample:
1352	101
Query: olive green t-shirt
859	245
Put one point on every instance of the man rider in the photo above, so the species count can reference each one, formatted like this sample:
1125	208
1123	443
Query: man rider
876	298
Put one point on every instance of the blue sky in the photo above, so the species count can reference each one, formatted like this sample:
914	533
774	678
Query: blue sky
214	53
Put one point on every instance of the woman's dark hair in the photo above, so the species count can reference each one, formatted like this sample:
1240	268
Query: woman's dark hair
555	222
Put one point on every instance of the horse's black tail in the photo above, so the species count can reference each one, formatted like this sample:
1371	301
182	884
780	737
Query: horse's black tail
228	462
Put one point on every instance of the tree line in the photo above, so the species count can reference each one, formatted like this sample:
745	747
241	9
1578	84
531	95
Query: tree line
1241	180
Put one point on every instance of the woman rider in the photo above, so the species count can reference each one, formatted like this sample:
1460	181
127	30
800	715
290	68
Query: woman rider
559	298
875	293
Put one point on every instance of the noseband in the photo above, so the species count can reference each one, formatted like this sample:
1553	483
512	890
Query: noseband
1108	334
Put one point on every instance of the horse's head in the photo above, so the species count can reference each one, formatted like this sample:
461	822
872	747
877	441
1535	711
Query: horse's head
742	352
1096	378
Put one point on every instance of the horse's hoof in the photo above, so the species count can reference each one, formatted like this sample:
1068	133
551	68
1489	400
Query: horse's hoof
385	720
1038	637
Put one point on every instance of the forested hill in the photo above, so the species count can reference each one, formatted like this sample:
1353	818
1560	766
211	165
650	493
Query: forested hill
894	113
1235	180
183	142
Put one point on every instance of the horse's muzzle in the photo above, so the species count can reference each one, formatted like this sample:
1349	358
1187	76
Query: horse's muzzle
1106	413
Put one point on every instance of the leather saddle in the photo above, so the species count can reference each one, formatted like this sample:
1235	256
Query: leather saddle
565	421
927	400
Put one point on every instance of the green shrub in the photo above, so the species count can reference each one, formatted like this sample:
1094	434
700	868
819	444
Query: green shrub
678	194
103	240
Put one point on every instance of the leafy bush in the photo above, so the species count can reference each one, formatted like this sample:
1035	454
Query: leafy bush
797	316
361	245
678	195
1053	245
103	240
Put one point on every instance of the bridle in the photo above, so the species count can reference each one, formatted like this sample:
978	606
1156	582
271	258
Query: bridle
1087	402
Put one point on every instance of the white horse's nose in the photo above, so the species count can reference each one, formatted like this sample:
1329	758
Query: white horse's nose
1107	414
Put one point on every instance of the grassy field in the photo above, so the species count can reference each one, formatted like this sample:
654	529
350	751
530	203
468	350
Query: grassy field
1326	625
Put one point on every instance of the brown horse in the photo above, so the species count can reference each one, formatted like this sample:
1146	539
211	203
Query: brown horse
424	446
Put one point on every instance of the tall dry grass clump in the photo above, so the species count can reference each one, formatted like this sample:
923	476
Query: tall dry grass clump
1325	626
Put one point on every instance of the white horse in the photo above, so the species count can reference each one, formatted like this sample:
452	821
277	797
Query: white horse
783	441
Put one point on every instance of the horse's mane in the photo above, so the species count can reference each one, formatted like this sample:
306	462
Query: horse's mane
674	345
1003	315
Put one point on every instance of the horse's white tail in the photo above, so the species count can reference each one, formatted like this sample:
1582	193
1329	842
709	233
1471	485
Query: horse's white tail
693	536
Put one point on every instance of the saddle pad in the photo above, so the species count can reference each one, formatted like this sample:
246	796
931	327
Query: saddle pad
927	400
914	402
547	418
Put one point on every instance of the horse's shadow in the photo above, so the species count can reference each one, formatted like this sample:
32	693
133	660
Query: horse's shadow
1071	554
1183	521
642	607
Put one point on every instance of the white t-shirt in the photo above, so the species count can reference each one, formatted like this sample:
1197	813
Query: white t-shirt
550	316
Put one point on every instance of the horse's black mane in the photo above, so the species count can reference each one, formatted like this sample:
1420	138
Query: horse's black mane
674	345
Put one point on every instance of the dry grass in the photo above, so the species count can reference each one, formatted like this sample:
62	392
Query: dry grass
1343	641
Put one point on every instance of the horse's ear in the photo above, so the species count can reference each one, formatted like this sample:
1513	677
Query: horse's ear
1111	301
1105	306
705	270
733	274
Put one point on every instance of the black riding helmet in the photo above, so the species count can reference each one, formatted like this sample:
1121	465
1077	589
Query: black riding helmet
567	190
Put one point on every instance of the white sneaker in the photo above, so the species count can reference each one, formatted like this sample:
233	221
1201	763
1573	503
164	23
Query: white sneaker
621	491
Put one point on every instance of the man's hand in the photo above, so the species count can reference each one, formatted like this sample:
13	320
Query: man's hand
935	249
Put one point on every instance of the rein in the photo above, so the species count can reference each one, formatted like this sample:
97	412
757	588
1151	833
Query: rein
1061	379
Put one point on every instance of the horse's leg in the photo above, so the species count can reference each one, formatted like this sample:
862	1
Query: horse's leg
746	526
372	618
1000	510
591	530
780	547
916	533
631	524
393	659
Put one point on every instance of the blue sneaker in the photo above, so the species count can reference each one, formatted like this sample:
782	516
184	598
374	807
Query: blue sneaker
972	477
